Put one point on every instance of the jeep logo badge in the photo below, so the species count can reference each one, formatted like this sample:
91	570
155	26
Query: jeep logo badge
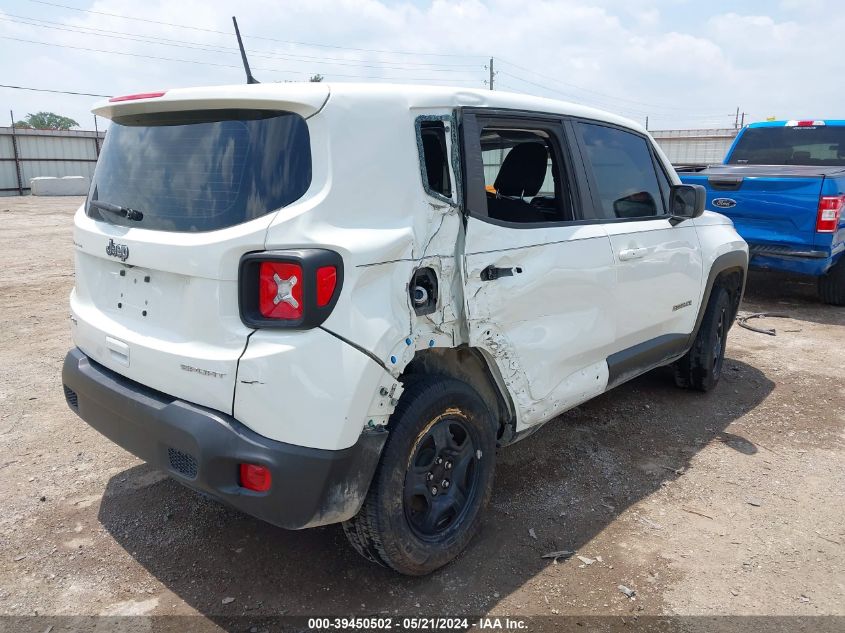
121	251
724	203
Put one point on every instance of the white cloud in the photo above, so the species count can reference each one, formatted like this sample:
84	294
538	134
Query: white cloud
634	59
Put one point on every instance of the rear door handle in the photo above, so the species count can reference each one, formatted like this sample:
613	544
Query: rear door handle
492	272
632	253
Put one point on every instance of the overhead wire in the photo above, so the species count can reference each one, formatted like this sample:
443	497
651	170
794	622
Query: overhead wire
569	96
653	106
601	99
220	65
617	107
63	92
98	32
256	37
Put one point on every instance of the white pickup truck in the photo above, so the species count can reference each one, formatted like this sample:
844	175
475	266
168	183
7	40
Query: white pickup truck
325	303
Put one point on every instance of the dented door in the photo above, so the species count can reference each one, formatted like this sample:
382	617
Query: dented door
539	295
550	325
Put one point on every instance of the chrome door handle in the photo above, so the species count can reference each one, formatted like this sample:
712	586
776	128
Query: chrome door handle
632	253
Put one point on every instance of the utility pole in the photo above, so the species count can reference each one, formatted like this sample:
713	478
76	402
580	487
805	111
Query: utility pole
491	73
742	121
16	154
646	124
736	120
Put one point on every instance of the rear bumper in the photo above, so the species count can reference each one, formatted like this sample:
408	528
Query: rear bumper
803	261
202	449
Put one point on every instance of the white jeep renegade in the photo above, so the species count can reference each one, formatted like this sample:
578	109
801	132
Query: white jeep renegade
325	303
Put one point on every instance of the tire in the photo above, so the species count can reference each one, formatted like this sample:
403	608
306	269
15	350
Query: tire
832	284
701	367
403	524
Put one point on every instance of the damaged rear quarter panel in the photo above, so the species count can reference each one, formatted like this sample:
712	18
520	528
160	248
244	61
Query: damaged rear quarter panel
376	214
305	388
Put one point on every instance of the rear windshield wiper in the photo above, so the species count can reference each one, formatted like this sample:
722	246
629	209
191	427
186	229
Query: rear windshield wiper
126	212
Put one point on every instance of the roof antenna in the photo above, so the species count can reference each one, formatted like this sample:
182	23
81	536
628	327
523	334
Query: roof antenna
249	78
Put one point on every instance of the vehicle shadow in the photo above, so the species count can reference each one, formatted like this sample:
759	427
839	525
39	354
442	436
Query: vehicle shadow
794	295
566	483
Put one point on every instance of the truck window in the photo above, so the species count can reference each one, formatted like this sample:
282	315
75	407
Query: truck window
623	172
435	157
201	170
790	145
523	179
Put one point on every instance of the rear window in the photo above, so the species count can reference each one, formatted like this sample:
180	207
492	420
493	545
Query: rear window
818	145
200	171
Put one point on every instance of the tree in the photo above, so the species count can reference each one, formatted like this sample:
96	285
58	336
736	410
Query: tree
46	121
316	78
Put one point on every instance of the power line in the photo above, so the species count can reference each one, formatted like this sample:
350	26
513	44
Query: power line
214	48
600	103
255	37
62	92
616	107
507	87
562	83
99	50
219	65
607	101
630	113
567	96
588	90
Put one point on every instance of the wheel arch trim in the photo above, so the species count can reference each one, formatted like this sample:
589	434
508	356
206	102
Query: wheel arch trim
733	261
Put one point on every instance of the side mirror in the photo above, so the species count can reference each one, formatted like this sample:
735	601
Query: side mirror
686	201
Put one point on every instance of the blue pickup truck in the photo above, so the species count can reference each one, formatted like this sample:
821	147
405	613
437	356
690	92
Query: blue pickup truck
783	185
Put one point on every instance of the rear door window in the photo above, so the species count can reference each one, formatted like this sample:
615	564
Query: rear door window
201	170
623	171
521	176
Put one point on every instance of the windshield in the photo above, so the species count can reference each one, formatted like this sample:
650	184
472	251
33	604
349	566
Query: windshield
816	145
202	170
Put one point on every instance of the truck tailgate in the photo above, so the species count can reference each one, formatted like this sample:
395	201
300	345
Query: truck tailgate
777	209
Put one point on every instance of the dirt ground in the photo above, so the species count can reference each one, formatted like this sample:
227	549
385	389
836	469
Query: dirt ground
730	502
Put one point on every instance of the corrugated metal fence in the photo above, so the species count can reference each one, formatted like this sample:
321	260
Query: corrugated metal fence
26	154
696	148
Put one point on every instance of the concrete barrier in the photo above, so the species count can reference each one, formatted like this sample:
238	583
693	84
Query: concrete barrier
67	186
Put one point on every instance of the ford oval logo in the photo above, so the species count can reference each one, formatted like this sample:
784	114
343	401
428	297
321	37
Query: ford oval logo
724	203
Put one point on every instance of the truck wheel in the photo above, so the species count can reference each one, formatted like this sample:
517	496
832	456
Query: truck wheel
701	367
433	481
832	284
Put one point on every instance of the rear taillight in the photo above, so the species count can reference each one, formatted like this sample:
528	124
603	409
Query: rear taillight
830	210
289	289
280	290
326	283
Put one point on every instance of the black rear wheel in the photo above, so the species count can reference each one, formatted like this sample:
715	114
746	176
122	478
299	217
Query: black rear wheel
433	481
442	477
701	367
832	284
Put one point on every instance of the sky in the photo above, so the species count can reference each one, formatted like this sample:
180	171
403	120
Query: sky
681	63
